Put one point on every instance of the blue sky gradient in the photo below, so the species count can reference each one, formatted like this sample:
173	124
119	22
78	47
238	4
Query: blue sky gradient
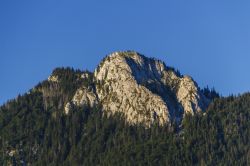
209	40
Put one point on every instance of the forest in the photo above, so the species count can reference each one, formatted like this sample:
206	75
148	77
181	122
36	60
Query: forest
34	131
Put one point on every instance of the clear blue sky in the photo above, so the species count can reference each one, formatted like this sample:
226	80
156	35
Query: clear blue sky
207	39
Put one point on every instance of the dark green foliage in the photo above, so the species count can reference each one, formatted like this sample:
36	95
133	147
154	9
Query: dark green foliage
34	130
210	93
57	94
221	137
86	137
22	126
68	81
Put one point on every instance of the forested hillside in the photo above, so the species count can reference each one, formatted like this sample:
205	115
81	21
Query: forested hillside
35	131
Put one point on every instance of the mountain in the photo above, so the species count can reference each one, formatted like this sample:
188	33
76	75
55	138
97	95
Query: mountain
143	89
132	110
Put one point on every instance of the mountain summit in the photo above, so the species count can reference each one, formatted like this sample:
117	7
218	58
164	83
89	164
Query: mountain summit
132	110
142	89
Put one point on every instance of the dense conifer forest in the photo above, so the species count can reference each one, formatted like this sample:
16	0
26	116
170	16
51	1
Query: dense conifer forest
34	131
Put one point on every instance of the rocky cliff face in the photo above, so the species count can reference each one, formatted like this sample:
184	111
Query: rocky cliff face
143	89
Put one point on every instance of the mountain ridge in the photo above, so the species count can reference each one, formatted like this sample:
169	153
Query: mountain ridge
144	89
36	129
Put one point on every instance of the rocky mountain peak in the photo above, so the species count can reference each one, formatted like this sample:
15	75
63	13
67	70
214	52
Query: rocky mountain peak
145	90
142	89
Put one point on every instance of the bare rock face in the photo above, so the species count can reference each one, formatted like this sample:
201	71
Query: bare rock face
83	97
53	78
119	91
143	89
67	108
189	96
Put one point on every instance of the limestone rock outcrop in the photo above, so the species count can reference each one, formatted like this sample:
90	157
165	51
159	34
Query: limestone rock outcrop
143	89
